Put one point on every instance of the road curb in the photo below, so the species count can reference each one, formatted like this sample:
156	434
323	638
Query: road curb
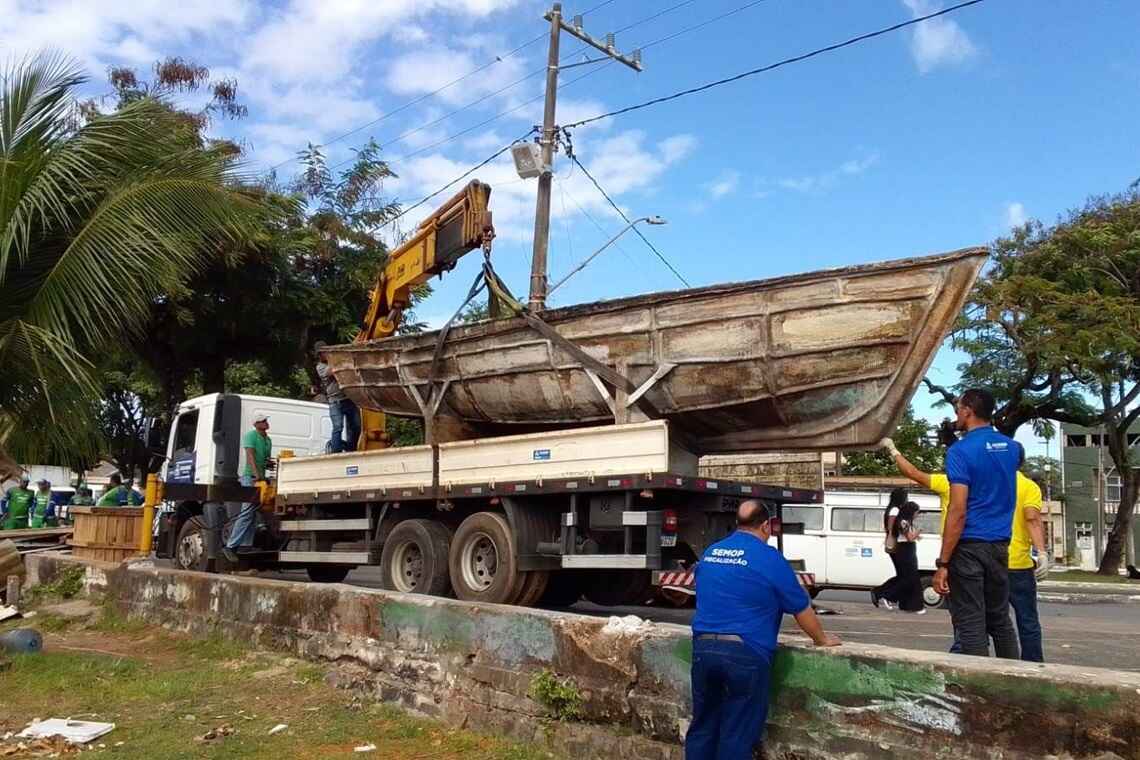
1078	598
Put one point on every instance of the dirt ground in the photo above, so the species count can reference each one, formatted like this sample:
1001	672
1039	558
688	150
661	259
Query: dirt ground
176	697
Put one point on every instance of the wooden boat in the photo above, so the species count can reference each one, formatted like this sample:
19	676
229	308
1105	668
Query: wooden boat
818	361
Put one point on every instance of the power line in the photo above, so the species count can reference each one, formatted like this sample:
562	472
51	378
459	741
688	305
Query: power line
778	64
703	24
657	15
616	208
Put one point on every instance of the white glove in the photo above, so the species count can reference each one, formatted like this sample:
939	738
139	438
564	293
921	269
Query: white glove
1043	567
889	445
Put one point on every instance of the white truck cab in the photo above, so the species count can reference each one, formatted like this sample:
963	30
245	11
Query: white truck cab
203	444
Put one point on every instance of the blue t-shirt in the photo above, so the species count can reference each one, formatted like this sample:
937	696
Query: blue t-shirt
744	587
986	462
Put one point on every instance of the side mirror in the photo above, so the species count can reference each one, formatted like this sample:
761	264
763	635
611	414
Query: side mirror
153	435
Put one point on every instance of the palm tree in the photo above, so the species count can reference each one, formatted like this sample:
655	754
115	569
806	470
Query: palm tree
99	216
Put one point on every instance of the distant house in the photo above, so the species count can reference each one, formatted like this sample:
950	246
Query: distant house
1089	481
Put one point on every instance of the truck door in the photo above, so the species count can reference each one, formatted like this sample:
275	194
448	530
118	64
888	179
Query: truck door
182	459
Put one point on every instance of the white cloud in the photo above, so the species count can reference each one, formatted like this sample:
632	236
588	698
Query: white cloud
938	40
1015	215
427	70
825	180
723	185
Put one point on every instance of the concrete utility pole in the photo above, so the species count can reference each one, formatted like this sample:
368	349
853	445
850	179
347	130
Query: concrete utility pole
549	134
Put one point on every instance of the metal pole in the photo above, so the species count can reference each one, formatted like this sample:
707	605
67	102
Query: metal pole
542	206
1099	548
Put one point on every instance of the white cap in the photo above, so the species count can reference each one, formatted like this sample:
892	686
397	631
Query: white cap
261	418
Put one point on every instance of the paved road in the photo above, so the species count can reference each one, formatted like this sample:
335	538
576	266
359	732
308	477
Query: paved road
1099	635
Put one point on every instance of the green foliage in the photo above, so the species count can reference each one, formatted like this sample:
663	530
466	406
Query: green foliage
560	697
914	438
475	312
67	584
1043	470
403	431
98	219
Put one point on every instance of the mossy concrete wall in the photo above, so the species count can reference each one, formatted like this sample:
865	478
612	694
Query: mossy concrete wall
473	664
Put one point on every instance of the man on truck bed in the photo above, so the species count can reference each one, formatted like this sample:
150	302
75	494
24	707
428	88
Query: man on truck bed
744	588
255	446
342	410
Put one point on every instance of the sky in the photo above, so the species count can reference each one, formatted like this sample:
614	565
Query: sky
932	138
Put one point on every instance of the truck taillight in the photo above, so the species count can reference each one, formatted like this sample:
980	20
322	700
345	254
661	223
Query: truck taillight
669	524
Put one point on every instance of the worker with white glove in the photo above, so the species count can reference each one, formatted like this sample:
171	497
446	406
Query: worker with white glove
1028	531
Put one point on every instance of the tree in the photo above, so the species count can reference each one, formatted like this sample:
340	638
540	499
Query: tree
914	438
1064	303
99	218
1045	471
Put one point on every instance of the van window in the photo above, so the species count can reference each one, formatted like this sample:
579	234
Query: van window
811	517
861	520
186	431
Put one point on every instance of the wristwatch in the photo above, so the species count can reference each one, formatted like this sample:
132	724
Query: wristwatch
938	563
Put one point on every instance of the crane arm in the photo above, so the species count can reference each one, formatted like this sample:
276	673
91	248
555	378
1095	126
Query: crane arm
461	225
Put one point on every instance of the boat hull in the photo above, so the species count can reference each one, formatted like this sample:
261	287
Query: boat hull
818	361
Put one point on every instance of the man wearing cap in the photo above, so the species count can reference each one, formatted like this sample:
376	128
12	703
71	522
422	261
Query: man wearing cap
43	507
255	446
744	588
342	410
119	495
18	502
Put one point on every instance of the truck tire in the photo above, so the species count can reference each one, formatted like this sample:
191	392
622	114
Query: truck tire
483	561
615	588
533	588
328	573
414	558
563	589
190	548
931	598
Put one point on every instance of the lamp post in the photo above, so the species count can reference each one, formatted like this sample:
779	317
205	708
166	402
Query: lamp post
588	259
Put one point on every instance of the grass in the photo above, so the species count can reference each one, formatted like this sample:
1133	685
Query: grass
163	691
1088	576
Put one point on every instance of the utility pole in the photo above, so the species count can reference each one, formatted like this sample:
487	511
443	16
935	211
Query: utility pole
1099	549
548	139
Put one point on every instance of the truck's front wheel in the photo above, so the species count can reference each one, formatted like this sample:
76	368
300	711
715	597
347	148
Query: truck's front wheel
191	545
414	559
483	560
328	573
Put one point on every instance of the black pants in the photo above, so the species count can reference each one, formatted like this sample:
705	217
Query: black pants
905	589
979	599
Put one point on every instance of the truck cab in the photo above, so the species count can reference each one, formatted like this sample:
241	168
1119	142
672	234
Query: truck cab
203	458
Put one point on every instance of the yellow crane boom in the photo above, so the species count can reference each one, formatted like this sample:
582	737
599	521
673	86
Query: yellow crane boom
458	227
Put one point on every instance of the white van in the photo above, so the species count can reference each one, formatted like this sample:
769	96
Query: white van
842	540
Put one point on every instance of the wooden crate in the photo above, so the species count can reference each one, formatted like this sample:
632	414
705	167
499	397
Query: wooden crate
110	534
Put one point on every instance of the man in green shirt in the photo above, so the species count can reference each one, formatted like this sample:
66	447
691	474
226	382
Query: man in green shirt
256	446
43	513
19	501
82	497
118	495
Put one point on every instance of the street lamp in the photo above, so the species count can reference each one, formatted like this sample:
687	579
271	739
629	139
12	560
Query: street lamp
625	229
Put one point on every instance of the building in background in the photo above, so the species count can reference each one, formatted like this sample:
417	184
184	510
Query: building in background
1091	493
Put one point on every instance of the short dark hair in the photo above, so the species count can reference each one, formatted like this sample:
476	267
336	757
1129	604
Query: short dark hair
752	514
116	479
980	402
899	496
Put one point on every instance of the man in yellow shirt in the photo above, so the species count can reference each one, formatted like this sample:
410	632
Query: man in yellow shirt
1027	530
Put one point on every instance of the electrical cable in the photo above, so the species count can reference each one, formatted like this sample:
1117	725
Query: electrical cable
703	24
617	208
778	64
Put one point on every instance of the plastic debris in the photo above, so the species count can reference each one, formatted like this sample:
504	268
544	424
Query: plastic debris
626	626
75	731
365	748
22	641
277	729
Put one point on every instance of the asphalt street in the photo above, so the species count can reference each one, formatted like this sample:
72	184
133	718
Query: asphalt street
1098	635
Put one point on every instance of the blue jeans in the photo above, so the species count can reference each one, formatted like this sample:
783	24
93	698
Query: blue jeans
344	415
246	522
1023	599
730	700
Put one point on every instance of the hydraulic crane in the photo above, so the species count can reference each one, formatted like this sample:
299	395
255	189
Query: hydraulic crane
461	225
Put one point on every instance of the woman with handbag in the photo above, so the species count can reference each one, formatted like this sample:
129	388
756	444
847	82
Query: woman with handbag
904	590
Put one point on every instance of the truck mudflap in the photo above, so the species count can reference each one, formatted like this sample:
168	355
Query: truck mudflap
685	580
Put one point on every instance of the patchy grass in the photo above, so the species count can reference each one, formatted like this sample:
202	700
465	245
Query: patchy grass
67	584
1088	576
560	697
164	692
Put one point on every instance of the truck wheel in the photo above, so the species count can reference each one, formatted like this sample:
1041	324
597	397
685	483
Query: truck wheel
533	588
610	589
563	589
191	545
414	559
328	573
483	560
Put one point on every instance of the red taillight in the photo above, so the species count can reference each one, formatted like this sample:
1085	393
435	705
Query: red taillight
777	527
670	522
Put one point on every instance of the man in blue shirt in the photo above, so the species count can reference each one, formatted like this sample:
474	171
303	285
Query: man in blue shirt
744	588
973	564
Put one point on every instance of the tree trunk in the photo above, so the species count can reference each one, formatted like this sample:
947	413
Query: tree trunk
1113	556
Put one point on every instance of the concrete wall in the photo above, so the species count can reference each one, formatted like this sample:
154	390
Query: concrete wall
473	664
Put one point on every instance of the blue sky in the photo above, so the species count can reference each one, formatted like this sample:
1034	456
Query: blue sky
933	138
